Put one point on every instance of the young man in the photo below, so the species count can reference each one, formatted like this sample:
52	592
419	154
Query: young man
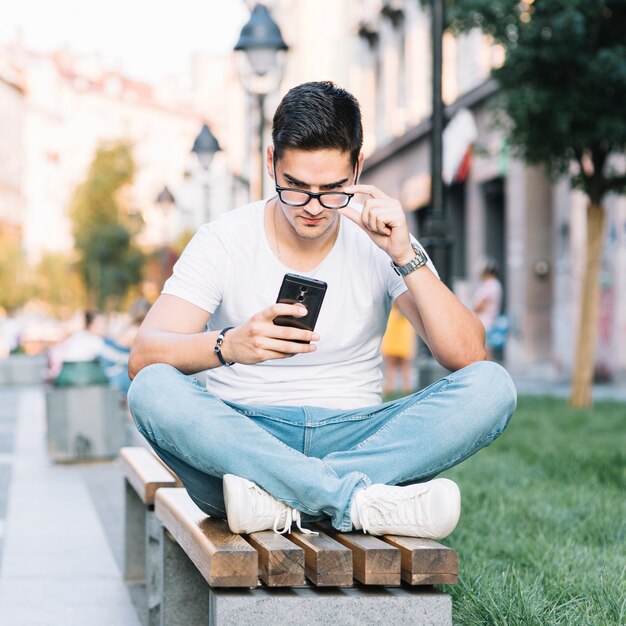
285	428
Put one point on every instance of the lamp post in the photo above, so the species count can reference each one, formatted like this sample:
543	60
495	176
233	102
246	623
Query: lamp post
261	48
166	202
205	146
438	242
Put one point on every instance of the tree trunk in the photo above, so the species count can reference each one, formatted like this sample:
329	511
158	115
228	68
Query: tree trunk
588	319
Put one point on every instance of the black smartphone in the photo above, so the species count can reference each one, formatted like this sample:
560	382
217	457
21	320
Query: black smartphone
309	292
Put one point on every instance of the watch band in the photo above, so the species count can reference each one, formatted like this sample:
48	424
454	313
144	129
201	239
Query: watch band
415	263
218	347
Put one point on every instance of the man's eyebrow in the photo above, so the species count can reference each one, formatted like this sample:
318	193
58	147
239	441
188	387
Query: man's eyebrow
294	181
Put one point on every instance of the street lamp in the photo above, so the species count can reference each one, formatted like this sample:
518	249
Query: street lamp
205	146
438	242
166	202
165	199
261	64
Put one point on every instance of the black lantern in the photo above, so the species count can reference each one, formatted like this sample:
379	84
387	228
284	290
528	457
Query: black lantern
205	146
261	48
261	41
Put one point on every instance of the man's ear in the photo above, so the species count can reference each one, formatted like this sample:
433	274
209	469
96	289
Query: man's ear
269	161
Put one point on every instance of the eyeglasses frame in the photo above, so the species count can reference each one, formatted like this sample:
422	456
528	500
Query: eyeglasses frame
318	195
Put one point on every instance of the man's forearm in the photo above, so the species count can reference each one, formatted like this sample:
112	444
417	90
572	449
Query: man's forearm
453	333
189	353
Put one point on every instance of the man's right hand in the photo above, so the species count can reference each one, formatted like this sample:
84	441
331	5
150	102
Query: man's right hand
259	339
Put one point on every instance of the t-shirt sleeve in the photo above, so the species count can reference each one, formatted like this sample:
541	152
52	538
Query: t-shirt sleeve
200	272
395	284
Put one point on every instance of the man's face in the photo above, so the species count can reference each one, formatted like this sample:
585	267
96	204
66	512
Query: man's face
315	171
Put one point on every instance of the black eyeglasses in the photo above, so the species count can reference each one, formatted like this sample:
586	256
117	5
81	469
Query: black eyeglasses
299	197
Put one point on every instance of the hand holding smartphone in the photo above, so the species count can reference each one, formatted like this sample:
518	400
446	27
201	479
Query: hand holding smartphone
309	292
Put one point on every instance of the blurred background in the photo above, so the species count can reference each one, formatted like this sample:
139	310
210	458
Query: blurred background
124	126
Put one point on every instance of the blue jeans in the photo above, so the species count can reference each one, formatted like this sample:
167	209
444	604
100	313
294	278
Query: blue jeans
311	458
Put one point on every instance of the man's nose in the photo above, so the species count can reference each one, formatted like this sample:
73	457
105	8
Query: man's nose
313	207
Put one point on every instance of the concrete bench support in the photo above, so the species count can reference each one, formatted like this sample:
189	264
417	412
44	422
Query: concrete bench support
187	599
22	369
143	474
84	423
154	570
183	597
315	606
134	536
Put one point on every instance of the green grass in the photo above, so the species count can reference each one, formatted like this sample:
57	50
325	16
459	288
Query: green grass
541	538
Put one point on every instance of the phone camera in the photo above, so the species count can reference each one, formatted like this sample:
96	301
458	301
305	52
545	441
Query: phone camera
302	289
300	298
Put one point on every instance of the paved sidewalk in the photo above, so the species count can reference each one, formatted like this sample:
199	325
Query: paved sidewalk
57	565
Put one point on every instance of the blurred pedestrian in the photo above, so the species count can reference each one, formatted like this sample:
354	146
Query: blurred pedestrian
116	351
398	349
487	300
83	346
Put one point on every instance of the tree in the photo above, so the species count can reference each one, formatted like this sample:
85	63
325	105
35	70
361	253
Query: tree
15	287
58	284
109	261
563	88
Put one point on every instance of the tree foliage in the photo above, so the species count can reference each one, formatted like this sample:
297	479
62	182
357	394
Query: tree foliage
15	287
109	261
57	283
563	83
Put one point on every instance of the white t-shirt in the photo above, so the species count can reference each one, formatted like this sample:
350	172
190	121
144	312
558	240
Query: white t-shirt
229	270
81	346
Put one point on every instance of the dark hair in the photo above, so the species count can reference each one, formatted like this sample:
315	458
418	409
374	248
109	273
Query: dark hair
139	310
318	115
491	267
90	316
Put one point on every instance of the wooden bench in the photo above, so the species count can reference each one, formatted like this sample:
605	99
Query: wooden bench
265	578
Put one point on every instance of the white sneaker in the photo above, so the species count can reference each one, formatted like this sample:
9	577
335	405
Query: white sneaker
249	509
430	510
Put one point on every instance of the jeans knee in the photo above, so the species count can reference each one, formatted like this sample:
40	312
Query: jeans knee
496	390
148	386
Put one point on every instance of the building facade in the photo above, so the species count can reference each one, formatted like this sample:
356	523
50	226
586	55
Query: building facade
12	108
72	105
496	207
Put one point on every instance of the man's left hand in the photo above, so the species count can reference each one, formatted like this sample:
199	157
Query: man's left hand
383	220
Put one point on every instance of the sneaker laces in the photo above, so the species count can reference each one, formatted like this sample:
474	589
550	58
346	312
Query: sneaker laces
391	511
292	515
265	505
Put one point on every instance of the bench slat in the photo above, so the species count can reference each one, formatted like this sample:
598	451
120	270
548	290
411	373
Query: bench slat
223	558
145	473
327	562
426	562
375	562
281	563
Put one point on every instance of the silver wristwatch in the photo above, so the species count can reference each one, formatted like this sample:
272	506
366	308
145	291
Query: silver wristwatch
415	263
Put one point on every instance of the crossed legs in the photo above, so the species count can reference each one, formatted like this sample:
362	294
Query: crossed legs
315	459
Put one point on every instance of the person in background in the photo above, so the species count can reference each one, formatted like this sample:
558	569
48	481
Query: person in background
487	301
398	348
116	351
82	346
